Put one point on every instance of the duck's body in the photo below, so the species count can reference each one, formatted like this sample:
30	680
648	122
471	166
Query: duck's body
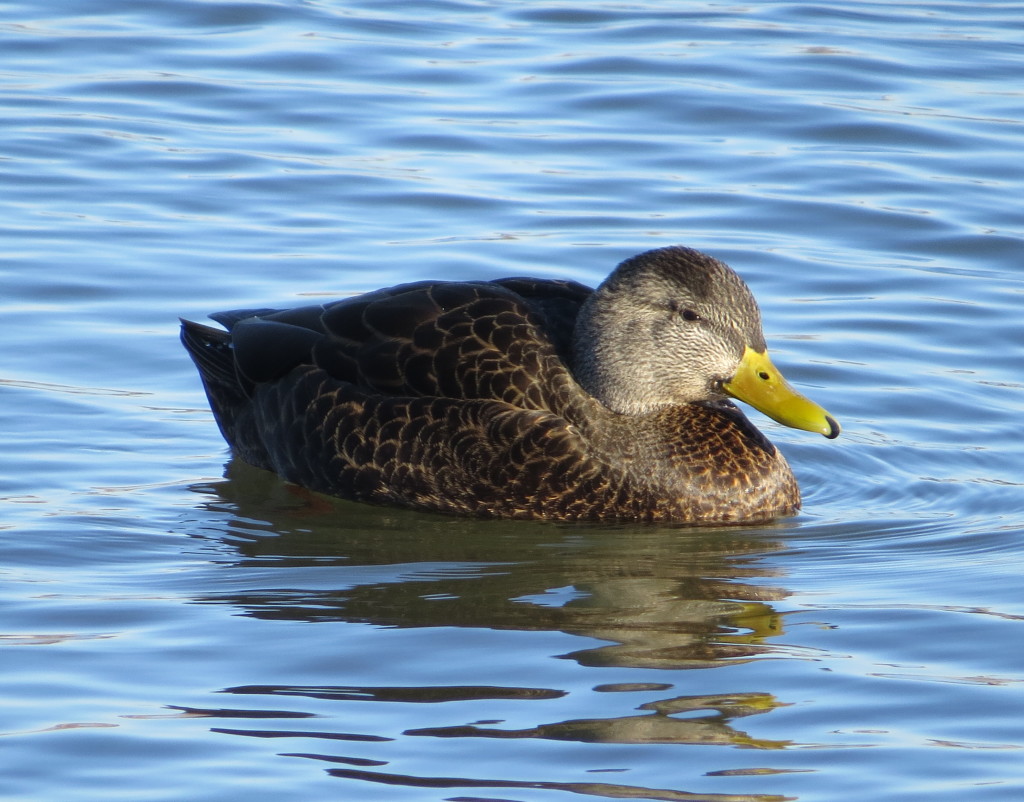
467	398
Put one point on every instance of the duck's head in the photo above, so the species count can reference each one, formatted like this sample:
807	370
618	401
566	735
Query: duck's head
674	326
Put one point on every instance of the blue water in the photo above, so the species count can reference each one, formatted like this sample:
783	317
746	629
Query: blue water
175	625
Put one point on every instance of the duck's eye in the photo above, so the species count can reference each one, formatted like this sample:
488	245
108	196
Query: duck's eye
686	314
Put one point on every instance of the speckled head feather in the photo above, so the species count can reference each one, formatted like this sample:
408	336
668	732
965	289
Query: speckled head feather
689	278
521	398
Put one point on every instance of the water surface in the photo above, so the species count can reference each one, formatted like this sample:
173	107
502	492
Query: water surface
176	625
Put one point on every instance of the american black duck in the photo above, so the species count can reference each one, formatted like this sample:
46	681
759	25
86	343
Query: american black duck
518	398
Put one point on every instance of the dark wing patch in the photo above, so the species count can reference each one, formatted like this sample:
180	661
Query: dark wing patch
460	340
507	340
558	302
267	349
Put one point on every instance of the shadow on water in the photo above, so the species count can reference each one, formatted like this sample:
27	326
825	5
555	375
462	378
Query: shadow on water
652	598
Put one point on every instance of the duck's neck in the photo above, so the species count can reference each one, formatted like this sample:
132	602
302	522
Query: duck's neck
606	361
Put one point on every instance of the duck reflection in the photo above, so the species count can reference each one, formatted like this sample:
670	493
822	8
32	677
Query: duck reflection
661	728
652	597
663	597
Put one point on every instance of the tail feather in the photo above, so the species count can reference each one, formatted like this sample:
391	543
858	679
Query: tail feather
228	393
210	349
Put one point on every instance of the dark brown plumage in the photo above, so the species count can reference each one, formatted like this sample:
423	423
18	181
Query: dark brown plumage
468	397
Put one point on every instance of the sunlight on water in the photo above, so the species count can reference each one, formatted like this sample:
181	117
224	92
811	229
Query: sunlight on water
239	638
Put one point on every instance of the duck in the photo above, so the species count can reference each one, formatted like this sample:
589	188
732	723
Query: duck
519	398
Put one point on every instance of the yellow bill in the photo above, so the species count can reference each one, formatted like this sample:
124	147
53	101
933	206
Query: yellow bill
758	382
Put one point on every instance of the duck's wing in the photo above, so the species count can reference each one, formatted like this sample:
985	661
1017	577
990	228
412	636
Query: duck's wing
505	341
556	302
477	457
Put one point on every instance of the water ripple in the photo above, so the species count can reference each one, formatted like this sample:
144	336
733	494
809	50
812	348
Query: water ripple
859	164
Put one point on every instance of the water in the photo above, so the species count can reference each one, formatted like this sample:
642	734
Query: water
171	630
